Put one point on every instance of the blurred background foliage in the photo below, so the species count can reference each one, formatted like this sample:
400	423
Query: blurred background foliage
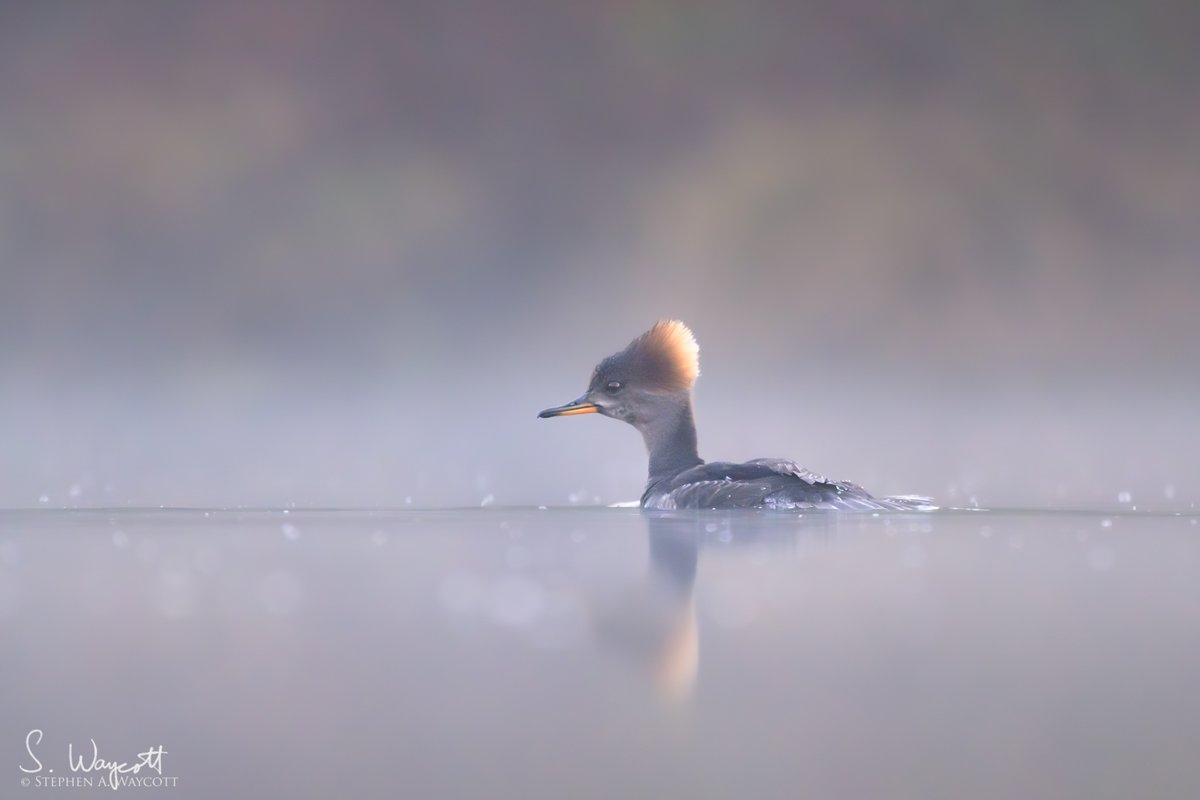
341	252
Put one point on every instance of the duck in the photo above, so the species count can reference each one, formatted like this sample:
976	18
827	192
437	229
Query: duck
649	385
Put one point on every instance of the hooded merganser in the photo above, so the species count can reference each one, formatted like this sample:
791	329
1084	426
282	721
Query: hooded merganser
649	385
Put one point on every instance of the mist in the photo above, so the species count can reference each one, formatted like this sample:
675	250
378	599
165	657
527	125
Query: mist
341	254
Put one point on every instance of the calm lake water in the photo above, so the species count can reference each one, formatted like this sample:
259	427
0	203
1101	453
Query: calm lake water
605	653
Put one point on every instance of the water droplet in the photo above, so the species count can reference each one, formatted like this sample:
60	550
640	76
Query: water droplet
75	490
1106	523
487	500
44	498
1124	496
379	538
120	540
290	531
1169	491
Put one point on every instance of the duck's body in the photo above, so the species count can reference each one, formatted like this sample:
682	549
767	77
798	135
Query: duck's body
649	385
766	483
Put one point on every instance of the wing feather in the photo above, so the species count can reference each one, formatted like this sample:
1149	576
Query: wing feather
768	483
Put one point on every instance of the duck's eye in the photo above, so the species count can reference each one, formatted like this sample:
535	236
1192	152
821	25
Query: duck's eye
613	387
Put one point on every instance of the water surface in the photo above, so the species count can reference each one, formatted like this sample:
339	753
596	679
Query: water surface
607	653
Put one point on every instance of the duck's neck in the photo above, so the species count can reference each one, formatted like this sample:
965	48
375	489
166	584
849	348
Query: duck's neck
671	439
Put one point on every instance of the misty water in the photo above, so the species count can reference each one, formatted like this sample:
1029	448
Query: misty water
521	652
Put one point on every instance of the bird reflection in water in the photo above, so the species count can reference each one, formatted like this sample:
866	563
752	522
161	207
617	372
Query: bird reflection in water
654	622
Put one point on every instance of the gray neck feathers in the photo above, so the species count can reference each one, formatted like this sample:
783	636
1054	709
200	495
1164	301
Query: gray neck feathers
670	435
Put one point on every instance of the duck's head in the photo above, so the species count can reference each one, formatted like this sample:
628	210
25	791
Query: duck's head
654	373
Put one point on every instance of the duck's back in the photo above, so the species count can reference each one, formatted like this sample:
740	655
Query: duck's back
766	483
